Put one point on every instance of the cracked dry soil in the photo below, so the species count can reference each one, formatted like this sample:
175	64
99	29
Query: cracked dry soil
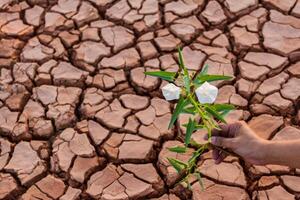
79	120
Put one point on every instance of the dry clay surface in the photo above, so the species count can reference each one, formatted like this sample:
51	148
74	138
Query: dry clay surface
79	120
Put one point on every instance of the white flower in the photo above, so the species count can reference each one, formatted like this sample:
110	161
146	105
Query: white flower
171	91
207	93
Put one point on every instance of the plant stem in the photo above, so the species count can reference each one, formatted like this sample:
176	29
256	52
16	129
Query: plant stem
208	146
223	150
202	115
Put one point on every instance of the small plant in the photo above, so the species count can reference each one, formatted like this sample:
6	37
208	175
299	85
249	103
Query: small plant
196	97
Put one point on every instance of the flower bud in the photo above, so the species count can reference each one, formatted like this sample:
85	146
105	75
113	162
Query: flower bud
171	91
206	93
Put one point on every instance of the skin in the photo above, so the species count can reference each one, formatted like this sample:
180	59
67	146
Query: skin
241	140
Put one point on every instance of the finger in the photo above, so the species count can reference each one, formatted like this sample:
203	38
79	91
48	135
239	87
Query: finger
222	142
221	131
225	130
216	132
221	157
234	129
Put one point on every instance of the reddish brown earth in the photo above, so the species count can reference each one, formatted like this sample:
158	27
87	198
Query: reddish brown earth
79	120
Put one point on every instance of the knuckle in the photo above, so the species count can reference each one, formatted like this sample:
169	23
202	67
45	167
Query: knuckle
234	143
219	141
223	126
227	143
235	128
240	123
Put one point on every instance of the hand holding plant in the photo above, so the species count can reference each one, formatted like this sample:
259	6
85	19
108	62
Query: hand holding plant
196	97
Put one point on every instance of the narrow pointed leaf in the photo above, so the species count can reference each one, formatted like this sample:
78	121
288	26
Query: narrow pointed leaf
215	114
224	113
186	77
198	176
168	76
184	125
197	127
209	78
195	144
190	110
189	130
222	107
196	154
177	164
181	62
204	70
194	158
187	84
180	59
178	149
178	109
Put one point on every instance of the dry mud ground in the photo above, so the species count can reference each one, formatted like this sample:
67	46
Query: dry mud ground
79	120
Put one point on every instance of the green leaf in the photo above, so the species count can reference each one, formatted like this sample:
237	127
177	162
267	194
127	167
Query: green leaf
194	157
195	144
186	77
181	62
215	114
209	78
177	164
178	149
224	113
204	70
178	109
223	107
197	127
187	83
196	154
168	76
189	130
198	176
190	110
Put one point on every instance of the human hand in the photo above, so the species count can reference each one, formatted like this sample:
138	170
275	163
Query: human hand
240	139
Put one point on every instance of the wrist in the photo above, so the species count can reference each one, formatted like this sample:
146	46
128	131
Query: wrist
276	152
264	152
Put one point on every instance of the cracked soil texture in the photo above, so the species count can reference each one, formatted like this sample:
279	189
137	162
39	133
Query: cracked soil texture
80	120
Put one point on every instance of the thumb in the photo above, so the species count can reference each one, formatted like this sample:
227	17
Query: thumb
222	142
